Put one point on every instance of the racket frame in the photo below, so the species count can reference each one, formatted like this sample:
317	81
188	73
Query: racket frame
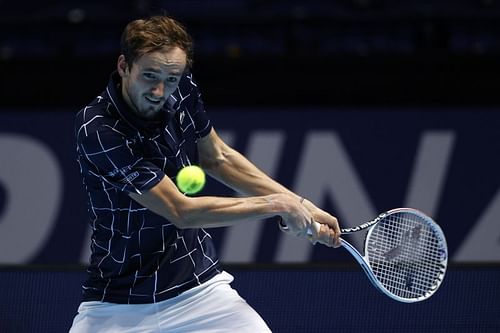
365	263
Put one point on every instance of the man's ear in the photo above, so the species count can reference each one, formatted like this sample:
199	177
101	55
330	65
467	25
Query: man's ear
122	66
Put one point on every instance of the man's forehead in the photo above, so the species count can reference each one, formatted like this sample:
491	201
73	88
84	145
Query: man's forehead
163	59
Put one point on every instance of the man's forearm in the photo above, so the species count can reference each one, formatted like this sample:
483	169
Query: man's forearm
207	211
220	212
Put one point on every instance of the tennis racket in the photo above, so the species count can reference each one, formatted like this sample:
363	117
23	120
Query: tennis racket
405	254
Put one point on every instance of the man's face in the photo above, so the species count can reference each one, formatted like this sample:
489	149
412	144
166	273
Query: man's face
153	77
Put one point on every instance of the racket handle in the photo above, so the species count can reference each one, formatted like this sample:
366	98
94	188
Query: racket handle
312	229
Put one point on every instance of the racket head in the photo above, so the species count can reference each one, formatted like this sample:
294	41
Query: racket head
407	255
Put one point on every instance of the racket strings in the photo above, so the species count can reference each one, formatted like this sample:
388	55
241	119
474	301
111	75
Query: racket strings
406	255
406	266
400	274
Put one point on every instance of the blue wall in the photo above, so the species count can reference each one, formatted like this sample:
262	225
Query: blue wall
290	300
353	162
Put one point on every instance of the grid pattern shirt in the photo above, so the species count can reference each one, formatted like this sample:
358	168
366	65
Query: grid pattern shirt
138	256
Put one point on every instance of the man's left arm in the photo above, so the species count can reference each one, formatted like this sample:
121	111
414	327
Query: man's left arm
234	170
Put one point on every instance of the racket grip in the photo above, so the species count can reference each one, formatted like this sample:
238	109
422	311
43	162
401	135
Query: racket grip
313	229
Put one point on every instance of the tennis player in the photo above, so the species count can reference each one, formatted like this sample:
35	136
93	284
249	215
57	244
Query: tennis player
153	266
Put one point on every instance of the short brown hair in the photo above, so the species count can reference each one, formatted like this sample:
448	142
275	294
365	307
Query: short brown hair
151	34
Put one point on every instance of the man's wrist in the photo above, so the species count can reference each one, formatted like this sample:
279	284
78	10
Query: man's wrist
282	223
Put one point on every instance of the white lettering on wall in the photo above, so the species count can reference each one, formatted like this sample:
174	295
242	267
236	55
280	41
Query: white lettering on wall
242	240
32	178
429	173
483	241
320	174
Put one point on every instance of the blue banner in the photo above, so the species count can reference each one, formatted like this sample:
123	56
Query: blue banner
353	162
289	300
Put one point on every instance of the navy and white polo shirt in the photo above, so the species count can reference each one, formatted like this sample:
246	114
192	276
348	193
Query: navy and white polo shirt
138	256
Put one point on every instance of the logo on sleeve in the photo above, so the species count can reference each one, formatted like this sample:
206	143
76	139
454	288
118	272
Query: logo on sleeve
129	178
125	172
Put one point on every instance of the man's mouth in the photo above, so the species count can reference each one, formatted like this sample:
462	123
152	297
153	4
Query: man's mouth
152	100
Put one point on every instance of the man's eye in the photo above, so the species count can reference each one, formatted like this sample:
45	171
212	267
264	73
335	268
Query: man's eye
150	76
172	79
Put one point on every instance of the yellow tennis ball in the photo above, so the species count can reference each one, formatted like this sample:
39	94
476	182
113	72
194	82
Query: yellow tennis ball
190	179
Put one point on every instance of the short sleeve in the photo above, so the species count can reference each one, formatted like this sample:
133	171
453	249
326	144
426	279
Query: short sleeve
197	112
115	160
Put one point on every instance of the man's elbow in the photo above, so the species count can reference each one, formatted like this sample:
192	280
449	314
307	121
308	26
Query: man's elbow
211	165
176	212
182	216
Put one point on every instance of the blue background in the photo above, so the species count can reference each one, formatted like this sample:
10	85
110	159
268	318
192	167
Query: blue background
290	299
381	142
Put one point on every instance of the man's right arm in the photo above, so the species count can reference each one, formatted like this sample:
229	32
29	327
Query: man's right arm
166	200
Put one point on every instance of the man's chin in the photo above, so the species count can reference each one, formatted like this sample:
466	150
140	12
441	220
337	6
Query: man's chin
149	112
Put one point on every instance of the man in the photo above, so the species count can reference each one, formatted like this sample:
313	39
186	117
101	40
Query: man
153	266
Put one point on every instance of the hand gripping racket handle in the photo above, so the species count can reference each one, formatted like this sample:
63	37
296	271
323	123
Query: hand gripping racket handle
312	229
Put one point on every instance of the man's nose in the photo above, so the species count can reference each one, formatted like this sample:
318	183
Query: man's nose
159	90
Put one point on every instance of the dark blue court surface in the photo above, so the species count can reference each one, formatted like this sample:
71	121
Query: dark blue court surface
289	299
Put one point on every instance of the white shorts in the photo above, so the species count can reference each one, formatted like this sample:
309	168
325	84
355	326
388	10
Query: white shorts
210	307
